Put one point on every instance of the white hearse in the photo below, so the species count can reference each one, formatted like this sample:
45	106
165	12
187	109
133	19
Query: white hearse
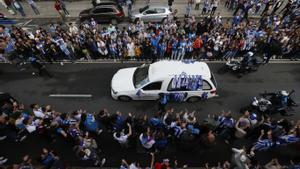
185	80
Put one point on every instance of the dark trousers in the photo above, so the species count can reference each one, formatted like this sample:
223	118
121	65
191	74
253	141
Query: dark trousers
197	6
21	10
240	6
153	56
213	10
65	11
275	9
227	4
41	69
246	17
162	107
188	55
267	57
196	52
266	9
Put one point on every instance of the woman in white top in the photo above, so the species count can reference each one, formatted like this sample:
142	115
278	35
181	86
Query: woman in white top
130	48
197	2
214	5
102	47
122	138
147	140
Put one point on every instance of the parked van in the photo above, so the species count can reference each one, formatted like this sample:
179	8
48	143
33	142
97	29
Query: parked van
146	82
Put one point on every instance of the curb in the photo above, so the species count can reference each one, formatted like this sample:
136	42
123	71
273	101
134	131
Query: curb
111	61
126	18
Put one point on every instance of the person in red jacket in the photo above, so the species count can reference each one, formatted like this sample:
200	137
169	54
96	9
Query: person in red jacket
197	45
58	8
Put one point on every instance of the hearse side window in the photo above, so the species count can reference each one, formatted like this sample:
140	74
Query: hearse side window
206	85
153	86
103	10
177	89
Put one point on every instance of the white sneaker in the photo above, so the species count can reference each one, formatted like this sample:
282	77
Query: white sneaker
62	63
99	131
2	138
23	138
103	161
3	161
1	158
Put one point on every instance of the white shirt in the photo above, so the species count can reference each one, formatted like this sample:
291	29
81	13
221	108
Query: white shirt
19	121
3	3
218	19
111	29
215	3
148	144
38	113
130	47
73	29
133	166
30	128
122	139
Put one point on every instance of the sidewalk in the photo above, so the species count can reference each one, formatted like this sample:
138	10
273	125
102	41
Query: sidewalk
47	10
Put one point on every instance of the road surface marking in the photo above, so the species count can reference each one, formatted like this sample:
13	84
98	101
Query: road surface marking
70	95
26	23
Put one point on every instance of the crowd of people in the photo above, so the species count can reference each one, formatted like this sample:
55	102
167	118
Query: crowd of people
209	38
147	134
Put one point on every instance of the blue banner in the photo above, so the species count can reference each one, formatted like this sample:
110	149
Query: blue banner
189	82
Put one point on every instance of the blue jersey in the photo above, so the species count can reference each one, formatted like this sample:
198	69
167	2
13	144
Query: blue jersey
161	48
40	46
10	46
190	46
226	122
289	139
183	44
263	144
154	42
174	45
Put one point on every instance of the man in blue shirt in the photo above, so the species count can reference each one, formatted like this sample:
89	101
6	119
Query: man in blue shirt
174	49
154	43
189	49
236	20
181	49
161	48
226	126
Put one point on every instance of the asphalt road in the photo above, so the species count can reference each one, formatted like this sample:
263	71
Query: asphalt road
33	24
95	79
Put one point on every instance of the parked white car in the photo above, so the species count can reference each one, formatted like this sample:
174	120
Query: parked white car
146	82
152	13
